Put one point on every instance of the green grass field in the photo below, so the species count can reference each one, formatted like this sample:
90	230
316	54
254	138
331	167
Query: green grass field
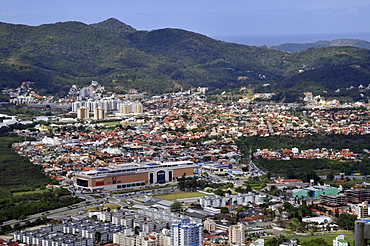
327	238
178	195
37	190
111	123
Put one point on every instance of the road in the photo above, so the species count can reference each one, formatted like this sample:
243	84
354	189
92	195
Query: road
90	201
57	213
108	197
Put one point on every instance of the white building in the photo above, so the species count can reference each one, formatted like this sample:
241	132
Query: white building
76	105
339	241
258	242
23	100
237	199
50	141
186	233
128	238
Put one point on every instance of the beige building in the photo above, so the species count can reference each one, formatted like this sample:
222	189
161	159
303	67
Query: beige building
99	114
209	225
138	108
237	234
362	210
122	176
83	113
131	239
131	108
124	109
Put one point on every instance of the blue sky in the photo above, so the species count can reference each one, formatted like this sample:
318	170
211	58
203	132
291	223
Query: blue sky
209	17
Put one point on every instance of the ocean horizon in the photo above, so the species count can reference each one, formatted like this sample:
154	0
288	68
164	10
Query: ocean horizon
277	39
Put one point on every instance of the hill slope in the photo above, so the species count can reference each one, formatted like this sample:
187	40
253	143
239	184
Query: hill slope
296	47
55	56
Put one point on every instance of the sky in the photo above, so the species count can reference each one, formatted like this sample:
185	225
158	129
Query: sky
214	18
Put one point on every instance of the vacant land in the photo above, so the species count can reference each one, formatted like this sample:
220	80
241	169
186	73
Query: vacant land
179	195
327	238
37	190
23	184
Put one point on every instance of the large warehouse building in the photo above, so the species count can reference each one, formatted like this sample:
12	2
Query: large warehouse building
133	174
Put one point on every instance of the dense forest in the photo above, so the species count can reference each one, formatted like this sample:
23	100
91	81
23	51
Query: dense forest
23	184
308	168
55	56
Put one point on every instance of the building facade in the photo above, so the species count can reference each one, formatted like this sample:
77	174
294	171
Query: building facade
339	241
362	210
357	195
83	113
333	200
227	200
133	175
237	234
99	114
186	233
210	225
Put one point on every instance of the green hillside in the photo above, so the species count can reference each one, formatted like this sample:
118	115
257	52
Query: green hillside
55	56
296	47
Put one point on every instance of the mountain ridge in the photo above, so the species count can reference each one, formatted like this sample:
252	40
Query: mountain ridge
297	47
55	56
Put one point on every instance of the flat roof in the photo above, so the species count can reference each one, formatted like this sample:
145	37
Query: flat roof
132	167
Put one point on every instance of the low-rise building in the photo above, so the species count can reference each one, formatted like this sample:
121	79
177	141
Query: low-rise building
133	174
220	201
357	195
333	200
339	241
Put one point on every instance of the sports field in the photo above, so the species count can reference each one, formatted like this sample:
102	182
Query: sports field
327	238
179	195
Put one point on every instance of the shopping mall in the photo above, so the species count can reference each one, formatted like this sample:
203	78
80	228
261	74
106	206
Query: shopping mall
133	174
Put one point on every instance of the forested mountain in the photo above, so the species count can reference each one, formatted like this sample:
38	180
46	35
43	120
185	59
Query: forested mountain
296	47
55	56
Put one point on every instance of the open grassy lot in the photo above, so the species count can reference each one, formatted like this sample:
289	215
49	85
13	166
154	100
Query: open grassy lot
37	190
111	123
104	207
327	238
178	195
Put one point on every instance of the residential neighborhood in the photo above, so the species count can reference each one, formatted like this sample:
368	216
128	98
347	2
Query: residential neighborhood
127	149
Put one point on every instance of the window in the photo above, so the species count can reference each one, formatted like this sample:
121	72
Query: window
82	182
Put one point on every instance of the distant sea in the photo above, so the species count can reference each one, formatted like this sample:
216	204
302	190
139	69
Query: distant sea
276	39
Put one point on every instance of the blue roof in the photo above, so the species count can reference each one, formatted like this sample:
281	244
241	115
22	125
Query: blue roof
152	164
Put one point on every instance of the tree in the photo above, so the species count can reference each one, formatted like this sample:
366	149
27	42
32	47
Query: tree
181	185
97	237
137	230
315	242
276	241
176	206
345	221
219	192
330	177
